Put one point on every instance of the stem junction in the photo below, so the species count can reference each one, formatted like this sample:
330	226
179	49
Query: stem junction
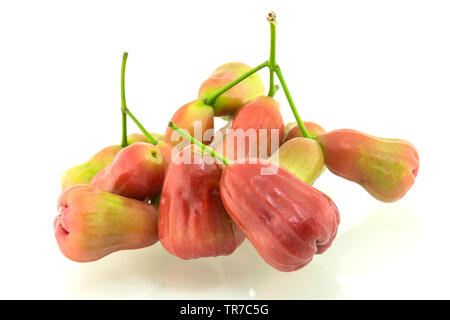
126	111
275	68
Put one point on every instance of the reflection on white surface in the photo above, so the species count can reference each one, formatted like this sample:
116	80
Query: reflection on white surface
379	240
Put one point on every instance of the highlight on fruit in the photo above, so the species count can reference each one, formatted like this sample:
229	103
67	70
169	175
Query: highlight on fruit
202	190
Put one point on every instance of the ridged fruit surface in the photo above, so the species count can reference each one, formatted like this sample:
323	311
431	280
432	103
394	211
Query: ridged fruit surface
285	219
192	220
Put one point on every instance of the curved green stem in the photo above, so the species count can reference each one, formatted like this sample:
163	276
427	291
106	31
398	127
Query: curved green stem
126	111
291	103
124	142
182	133
147	134
211	98
272	63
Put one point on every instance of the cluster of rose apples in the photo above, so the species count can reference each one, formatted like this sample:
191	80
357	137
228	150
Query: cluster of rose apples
202	194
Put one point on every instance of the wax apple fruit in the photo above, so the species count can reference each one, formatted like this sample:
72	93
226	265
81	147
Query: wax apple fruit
231	100
301	156
292	130
166	150
386	168
192	220
92	223
137	172
186	117
253	129
285	219
83	173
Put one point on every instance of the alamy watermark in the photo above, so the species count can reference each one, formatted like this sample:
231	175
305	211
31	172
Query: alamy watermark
238	145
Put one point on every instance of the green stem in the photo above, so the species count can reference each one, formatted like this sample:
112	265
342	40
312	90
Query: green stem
275	89
291	103
126	111
124	142
211	98
272	63
140	126
198	143
271	85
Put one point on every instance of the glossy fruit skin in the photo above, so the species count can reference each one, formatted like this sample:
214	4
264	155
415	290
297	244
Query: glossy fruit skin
262	117
293	131
301	156
192	220
167	153
83	173
285	219
185	118
230	101
93	223
137	172
386	168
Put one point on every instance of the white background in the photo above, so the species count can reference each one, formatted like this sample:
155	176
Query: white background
382	67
